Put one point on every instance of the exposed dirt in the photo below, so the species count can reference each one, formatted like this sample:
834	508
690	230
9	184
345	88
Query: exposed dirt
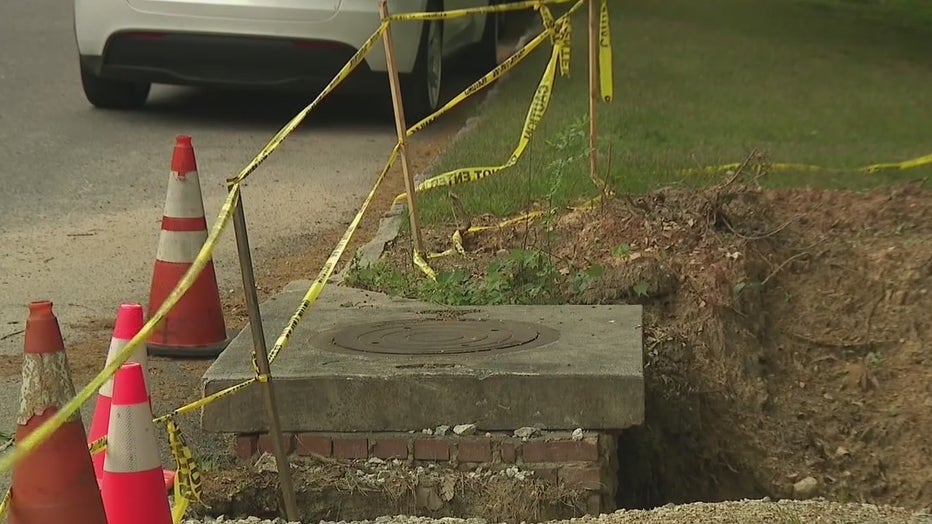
786	335
352	491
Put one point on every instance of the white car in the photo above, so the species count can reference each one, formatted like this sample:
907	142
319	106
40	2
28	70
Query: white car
294	45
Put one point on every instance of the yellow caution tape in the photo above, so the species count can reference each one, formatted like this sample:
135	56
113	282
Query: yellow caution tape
98	446
188	475
181	506
510	222
536	111
899	166
457	237
342	75
546	19
5	504
201	402
423	266
606	71
458	242
326	271
538	107
478	85
564	40
460	13
912	163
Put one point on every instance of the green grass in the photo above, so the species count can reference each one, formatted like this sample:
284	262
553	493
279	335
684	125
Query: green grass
912	14
704	83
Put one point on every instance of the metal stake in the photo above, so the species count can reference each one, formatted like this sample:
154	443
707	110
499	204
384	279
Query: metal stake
593	88
262	360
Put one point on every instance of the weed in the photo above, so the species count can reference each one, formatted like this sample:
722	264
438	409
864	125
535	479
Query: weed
622	251
641	289
521	277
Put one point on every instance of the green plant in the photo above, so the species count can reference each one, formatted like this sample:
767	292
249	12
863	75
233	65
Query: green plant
523	277
451	288
378	277
641	289
582	280
622	251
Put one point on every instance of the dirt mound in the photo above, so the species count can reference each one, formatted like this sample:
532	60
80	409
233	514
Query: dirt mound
365	490
786	333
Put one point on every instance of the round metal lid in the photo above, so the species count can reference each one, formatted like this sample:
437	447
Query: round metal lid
438	337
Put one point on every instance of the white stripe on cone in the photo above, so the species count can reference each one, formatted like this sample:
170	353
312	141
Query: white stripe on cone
180	247
139	356
184	196
132	446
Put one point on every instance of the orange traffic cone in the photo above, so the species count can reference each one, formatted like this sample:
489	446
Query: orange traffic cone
133	484
129	322
194	327
55	482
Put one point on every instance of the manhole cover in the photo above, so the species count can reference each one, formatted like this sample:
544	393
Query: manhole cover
438	337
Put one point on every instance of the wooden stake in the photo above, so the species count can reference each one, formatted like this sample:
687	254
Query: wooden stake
401	128
593	88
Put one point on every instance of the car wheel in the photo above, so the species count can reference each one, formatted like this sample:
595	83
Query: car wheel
486	58
421	88
113	94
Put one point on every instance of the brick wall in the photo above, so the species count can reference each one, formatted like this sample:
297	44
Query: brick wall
589	463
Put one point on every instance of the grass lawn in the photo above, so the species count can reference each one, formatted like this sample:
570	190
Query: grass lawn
915	14
704	83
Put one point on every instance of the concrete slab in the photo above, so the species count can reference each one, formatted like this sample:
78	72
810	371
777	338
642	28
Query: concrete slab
583	368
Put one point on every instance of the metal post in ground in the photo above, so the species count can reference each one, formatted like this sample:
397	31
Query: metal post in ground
401	128
262	361
593	90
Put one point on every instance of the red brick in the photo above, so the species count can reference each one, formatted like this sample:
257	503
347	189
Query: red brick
388	449
560	451
310	445
474	451
594	505
582	478
245	446
351	448
431	449
265	443
509	452
545	474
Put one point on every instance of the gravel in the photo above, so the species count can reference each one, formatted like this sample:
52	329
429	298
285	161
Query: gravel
736	512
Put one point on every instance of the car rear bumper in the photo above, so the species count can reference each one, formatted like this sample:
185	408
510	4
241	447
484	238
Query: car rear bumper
116	39
220	60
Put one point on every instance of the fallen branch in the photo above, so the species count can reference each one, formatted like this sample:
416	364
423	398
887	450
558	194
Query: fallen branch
783	265
759	237
741	168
